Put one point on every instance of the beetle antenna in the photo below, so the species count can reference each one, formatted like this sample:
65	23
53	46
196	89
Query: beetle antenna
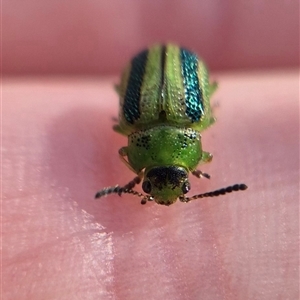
119	190
108	190
122	190
223	191
131	184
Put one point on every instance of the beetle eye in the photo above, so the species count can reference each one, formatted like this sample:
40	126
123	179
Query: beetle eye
186	187
146	187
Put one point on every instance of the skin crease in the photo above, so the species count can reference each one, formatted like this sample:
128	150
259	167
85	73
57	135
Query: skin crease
59	243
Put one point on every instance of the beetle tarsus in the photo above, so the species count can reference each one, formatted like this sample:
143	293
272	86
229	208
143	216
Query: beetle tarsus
200	174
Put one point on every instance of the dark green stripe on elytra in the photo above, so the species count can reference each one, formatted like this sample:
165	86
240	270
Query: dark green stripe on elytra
193	94
133	92
163	64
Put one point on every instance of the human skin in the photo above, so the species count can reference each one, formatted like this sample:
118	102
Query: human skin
58	149
97	37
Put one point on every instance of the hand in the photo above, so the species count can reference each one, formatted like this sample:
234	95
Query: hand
60	243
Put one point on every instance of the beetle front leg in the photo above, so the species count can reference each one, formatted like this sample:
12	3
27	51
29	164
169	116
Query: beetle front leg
200	174
122	154
137	180
206	157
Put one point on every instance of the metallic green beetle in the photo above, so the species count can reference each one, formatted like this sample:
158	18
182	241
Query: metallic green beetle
164	105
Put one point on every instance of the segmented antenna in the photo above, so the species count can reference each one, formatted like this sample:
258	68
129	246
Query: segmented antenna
223	191
123	190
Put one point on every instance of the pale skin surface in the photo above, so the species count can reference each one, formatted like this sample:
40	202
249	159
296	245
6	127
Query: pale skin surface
97	37
59	243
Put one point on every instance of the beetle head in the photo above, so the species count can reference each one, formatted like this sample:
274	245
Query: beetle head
166	184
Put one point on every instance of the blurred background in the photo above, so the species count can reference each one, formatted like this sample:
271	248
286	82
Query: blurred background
97	37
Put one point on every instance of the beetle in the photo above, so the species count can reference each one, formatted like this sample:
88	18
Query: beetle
164	106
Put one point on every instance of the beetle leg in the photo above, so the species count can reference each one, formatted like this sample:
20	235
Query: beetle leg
117	128
122	154
200	174
212	87
206	157
118	88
